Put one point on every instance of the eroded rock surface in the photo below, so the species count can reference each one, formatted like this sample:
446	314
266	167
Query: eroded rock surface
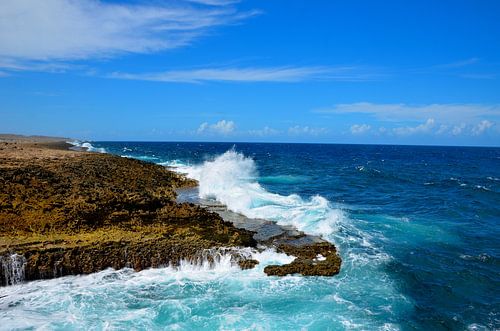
318	259
314	256
69	212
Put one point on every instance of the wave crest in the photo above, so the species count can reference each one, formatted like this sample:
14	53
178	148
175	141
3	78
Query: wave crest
231	178
88	146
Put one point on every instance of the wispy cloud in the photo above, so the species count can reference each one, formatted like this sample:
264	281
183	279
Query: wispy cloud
411	130
9	64
360	128
264	132
429	127
458	64
62	30
444	113
251	74
223	127
487	76
298	130
470	68
481	127
457	129
215	2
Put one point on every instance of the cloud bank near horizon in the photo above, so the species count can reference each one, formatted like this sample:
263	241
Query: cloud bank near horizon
405	112
430	128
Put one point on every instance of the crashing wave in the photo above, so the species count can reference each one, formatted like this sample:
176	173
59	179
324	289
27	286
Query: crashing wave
86	145
231	179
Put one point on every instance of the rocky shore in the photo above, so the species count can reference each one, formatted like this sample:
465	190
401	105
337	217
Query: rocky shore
67	212
314	256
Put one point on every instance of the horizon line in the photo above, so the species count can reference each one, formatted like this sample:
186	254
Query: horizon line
283	143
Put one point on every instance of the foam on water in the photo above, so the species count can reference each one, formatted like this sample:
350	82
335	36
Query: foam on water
215	296
218	295
142	157
174	164
88	146
414	232
408	259
124	298
231	179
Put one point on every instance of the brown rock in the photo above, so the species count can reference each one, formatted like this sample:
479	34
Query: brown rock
319	259
72	212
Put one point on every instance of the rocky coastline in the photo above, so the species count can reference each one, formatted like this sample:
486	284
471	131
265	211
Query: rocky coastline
66	212
314	256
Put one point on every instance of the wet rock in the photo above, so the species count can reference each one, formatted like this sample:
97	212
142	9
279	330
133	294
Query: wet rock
248	264
84	212
320	259
314	255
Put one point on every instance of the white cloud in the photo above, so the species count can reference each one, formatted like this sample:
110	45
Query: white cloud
454	130
443	128
203	127
55	30
306	130
410	130
264	132
481	127
222	127
250	74
54	67
431	127
443	113
360	128
215	2
457	129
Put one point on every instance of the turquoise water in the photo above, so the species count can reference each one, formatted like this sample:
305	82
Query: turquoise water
417	229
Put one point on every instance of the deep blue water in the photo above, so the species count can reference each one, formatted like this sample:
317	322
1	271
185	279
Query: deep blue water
418	230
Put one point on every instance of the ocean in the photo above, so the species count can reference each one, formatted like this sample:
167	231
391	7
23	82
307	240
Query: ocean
417	228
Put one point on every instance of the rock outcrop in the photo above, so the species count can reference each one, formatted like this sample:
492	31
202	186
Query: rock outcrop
318	259
67	212
314	256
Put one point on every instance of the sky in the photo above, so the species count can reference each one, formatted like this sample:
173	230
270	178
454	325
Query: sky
327	71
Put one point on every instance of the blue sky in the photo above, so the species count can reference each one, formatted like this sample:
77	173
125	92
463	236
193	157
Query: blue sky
397	72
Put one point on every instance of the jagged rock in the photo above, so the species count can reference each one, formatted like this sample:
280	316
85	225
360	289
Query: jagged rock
319	259
65	212
83	212
247	264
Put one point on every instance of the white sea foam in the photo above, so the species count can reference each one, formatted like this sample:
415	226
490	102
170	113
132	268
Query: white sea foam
174	164
150	158
481	187
78	302
218	295
231	179
88	146
191	296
